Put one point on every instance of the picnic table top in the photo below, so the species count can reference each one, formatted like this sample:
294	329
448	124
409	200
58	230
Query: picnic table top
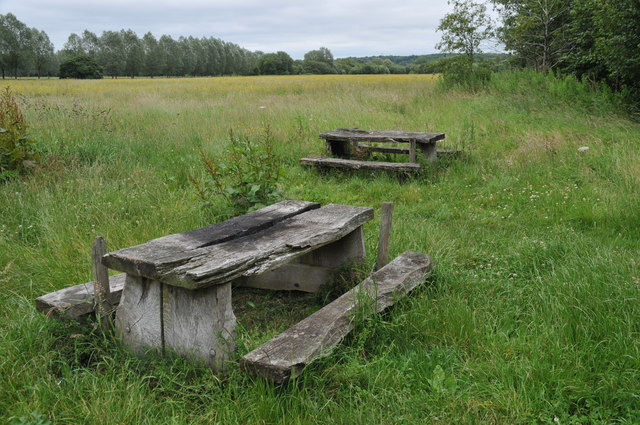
242	246
360	135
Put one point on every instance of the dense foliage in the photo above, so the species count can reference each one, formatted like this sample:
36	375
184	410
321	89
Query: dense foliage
17	153
24	50
80	67
594	39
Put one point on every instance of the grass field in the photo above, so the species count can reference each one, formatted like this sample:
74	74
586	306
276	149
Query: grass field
532	314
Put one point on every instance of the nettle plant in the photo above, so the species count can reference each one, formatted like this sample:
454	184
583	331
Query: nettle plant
247	174
17	153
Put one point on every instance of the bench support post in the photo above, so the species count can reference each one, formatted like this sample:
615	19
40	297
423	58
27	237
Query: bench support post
197	324
429	151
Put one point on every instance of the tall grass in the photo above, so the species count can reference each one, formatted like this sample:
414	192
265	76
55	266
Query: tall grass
530	316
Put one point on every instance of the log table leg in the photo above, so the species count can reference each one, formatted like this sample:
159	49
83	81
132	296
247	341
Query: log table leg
428	151
197	324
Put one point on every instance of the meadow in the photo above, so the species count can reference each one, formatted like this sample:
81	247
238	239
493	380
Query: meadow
531	315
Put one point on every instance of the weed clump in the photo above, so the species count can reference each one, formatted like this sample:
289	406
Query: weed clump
247	175
17	153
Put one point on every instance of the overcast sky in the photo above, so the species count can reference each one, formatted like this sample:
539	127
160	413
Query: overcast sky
346	27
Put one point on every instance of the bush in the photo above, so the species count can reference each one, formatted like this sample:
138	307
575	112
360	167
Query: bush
247	176
463	72
17	154
82	67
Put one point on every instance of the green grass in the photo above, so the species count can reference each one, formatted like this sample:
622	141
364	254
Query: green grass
531	314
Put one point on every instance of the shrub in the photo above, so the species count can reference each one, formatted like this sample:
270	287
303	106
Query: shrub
17	154
82	67
247	175
463	72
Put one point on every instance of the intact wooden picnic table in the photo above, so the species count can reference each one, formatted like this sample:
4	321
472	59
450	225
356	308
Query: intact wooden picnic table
349	142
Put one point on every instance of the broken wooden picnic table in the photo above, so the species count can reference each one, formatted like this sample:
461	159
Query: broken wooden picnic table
175	293
347	146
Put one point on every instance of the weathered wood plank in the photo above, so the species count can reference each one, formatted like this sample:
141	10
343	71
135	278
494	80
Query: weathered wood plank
401	150
383	149
357	135
289	277
286	355
153	258
449	152
78	300
360	165
268	249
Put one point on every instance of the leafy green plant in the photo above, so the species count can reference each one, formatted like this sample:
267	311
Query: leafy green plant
17	154
247	175
35	419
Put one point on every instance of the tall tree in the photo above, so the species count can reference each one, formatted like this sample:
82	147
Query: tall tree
133	53
153	56
42	51
112	56
15	44
464	28
537	30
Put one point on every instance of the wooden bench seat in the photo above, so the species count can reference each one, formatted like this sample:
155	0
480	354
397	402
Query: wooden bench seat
286	355
320	161
77	301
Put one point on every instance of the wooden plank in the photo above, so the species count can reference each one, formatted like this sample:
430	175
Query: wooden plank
359	135
449	152
153	258
277	245
310	271
289	277
78	300
360	165
383	149
287	354
386	218
103	304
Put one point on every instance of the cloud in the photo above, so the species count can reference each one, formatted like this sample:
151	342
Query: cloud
346	27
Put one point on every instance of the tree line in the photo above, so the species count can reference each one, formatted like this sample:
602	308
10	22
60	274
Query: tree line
593	40
28	52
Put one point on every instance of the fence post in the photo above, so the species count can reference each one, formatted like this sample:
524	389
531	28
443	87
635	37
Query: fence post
101	288
386	217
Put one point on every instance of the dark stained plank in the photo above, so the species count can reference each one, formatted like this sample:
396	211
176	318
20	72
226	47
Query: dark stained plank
287	354
320	161
77	301
151	259
360	135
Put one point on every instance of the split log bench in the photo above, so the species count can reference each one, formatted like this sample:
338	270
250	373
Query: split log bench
285	356
349	144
